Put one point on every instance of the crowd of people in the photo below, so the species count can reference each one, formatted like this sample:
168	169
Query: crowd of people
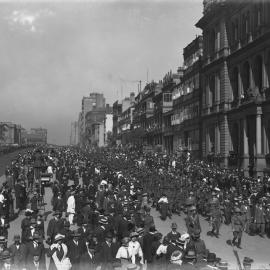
102	201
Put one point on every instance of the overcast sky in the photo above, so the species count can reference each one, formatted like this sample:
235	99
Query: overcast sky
54	53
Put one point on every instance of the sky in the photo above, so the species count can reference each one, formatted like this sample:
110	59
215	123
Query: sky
54	53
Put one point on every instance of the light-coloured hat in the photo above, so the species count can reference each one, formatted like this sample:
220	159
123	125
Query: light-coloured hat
176	255
59	237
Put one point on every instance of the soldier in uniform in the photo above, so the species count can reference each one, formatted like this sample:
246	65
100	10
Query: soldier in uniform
215	216
237	227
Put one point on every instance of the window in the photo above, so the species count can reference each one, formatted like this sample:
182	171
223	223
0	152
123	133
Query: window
259	16
167	97
235	31
247	23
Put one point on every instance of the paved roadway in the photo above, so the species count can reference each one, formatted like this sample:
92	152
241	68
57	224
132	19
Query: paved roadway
254	247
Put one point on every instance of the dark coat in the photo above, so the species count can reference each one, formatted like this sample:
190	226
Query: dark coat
20	194
31	250
54	227
148	240
19	255
87	263
31	266
106	256
75	252
25	224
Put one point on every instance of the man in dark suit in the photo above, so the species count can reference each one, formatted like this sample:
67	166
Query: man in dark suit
30	231
18	251
84	230
25	224
20	194
76	248
101	229
35	247
55	225
36	263
106	253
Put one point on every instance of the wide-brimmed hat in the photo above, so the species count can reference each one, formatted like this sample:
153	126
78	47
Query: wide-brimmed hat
131	266
191	255
28	212
247	261
57	212
5	255
75	233
140	231
103	220
222	265
59	237
211	257
176	255
192	208
185	236
180	242
134	234
3	239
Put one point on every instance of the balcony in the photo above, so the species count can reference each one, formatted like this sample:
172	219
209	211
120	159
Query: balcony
166	106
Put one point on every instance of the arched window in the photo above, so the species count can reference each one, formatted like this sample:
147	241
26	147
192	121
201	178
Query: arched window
258	72
246	76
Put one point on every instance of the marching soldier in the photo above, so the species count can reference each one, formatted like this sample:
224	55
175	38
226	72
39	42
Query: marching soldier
237	227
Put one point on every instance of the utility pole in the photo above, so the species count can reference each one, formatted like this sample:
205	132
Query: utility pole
140	85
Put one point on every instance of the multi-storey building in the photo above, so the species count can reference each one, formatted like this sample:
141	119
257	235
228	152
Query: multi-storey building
117	110
144	112
235	71
123	119
10	133
34	136
93	101
186	101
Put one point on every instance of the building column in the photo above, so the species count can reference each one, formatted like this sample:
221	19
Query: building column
245	138
245	157
240	85
260	159
258	134
206	141
217	139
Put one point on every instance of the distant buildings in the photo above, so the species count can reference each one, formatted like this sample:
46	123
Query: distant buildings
34	136
95	120
10	133
74	136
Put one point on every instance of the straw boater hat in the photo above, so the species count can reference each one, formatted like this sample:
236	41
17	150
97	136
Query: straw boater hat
59	237
134	234
191	255
176	255
222	265
5	255
131	266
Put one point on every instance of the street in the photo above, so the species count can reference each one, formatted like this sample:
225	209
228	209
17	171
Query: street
254	247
